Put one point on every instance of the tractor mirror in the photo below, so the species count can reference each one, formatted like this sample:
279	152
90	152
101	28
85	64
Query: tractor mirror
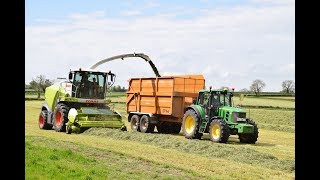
70	76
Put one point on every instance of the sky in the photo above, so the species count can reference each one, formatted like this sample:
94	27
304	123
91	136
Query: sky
231	42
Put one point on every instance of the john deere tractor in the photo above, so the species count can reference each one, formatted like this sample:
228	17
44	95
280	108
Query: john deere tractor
212	113
79	103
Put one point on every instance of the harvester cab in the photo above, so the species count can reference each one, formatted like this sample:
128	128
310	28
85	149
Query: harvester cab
89	85
79	103
213	113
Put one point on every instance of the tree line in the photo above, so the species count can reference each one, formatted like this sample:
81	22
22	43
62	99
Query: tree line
40	83
257	86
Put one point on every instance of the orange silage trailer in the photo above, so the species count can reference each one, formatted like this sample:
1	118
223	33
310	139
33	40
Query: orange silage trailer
161	101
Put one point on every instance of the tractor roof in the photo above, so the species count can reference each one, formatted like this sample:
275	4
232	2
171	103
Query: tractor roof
213	90
89	70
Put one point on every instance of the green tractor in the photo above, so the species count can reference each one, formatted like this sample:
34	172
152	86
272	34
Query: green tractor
212	112
79	103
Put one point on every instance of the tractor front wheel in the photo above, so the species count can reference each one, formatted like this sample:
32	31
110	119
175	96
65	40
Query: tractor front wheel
250	138
135	123
190	125
145	124
43	120
219	131
60	116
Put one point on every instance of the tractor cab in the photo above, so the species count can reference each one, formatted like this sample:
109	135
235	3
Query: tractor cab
211	100
89	84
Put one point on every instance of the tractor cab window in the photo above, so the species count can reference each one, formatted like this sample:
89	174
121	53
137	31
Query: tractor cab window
216	100
89	85
200	98
225	99
206	98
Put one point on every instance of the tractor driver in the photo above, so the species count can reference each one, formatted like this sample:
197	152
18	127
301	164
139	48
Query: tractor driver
96	88
84	86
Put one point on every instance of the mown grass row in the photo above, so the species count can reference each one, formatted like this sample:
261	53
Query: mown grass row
50	159
203	148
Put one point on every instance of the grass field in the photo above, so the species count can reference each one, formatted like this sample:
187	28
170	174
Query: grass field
102	153
282	102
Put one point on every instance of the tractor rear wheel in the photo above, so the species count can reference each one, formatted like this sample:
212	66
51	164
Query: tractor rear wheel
60	117
250	138
135	123
219	131
190	125
145	124
43	120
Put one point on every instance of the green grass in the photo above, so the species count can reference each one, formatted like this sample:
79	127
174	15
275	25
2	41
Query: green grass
273	119
129	154
51	159
263	101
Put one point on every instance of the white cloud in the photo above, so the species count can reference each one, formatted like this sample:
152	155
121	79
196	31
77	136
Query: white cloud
231	47
131	13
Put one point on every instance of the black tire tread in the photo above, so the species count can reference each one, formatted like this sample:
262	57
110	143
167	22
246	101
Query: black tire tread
138	123
64	110
250	138
224	130
195	134
150	127
46	125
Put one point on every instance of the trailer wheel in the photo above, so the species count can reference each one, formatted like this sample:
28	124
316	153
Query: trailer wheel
250	138
60	117
145	124
219	131
134	123
175	128
43	120
160	128
190	125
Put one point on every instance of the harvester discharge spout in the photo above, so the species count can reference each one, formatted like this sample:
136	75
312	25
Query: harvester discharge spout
122	56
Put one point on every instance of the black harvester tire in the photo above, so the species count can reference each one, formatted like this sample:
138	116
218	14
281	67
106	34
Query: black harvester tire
219	131
250	138
43	120
190	125
60	117
135	123
145	124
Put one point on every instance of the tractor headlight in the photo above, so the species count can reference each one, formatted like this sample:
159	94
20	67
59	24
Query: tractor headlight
241	119
72	115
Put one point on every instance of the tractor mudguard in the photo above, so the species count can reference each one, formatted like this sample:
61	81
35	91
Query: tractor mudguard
198	110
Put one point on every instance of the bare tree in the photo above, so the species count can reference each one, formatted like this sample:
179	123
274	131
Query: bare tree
257	86
244	90
40	83
288	86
